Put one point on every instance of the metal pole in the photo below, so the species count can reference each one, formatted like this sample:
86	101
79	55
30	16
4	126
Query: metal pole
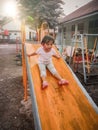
84	71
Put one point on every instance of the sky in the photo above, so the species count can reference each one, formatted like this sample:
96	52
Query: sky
69	7
72	5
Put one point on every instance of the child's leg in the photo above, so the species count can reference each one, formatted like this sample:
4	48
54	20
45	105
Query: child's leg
42	69
56	74
54	71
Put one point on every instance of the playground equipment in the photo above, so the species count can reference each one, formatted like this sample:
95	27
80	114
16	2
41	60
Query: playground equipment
59	107
23	59
18	47
18	52
44	29
86	56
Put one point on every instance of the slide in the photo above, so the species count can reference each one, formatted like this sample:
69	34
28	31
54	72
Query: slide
67	107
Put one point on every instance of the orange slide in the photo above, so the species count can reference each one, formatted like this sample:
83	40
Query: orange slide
67	107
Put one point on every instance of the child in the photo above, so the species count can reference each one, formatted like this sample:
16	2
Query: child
45	53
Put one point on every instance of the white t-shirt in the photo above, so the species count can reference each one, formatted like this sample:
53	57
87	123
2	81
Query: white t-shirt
45	57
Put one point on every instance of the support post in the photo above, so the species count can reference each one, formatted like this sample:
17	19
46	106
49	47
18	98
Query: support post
23	60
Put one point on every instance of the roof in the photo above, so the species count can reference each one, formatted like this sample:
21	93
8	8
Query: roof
89	8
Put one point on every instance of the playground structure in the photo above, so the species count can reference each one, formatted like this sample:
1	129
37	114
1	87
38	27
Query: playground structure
57	107
18	52
85	57
44	30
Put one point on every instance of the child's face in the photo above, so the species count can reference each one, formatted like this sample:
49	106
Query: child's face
48	46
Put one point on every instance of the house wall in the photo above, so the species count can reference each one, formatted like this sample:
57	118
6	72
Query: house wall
30	34
14	28
68	26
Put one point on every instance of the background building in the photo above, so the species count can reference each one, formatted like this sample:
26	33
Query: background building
13	31
83	20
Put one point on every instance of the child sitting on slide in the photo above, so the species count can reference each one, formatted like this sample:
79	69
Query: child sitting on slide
45	53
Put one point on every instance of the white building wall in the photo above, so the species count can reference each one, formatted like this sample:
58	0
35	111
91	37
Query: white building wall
14	28
28	31
13	25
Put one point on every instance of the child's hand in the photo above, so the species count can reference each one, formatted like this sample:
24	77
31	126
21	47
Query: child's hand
58	56
32	54
28	55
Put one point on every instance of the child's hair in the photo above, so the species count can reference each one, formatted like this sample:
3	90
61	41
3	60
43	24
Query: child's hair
46	39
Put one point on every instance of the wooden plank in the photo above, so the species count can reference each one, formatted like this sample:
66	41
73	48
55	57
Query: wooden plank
61	108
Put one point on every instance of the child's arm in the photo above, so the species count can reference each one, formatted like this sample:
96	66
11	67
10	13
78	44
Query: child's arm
32	54
57	56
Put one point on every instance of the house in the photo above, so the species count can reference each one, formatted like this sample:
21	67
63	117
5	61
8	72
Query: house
82	21
11	30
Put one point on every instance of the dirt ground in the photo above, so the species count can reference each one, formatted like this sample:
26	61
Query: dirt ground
15	114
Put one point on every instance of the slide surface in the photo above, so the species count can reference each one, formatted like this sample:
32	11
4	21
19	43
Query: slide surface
60	107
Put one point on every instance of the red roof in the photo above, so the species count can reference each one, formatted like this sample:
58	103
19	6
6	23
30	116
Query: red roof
89	8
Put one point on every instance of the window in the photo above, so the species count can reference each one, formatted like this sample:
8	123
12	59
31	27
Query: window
93	26
81	28
59	30
96	23
93	29
64	32
72	30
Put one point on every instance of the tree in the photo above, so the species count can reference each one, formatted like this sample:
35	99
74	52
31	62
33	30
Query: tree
42	10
